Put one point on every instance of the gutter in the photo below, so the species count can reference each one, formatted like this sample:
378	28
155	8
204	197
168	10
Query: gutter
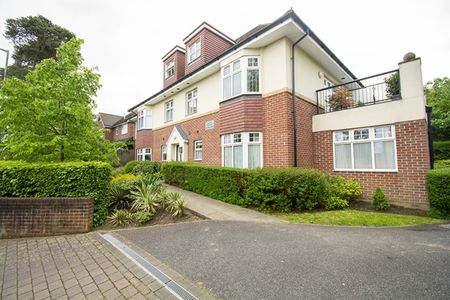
294	113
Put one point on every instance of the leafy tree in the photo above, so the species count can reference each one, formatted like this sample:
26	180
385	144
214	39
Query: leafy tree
34	38
48	116
438	97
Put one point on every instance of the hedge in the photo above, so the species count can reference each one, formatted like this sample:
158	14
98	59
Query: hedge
438	186
268	189
71	179
441	150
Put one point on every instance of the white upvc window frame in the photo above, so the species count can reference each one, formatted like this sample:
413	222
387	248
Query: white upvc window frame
163	152
124	128
144	119
168	107
232	139
198	150
229	71
169	69
142	153
194	51
191	102
372	140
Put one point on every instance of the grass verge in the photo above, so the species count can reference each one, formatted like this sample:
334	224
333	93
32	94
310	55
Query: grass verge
350	217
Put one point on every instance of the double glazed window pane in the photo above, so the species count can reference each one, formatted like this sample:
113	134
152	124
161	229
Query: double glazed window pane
237	156
252	80
254	156
228	156
343	157
384	155
236	84
363	155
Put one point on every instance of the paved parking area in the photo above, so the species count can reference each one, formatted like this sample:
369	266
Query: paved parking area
80	266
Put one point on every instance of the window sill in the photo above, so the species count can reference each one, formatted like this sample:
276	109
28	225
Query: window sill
198	159
168	121
367	170
143	129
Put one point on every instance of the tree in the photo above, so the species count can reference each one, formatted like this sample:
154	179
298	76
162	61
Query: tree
34	38
48	116
438	97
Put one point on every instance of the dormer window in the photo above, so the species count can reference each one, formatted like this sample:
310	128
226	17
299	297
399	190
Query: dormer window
241	77
170	68
194	51
144	119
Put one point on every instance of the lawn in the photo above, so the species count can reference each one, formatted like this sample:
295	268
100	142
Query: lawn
350	217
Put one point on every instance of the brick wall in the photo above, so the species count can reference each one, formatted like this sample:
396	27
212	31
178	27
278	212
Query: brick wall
241	114
212	46
20	217
116	132
195	130
405	187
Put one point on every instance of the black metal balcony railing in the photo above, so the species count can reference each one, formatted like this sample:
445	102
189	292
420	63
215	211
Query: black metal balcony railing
375	89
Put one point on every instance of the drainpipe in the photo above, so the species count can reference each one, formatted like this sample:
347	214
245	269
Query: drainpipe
428	110
294	113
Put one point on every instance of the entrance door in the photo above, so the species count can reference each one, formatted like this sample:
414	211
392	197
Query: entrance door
178	153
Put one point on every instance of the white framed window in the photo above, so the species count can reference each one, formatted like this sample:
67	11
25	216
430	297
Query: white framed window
124	128
191	102
144	119
242	150
365	149
170	68
194	51
168	111
198	150
144	154
163	152
241	77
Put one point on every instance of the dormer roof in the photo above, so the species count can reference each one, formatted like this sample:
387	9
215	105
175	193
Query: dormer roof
210	28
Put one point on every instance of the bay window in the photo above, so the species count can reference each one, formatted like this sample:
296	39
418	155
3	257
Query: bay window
241	77
365	149
242	150
144	154
144	119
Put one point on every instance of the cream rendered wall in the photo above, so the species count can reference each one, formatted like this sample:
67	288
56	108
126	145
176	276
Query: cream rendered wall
307	80
410	107
208	98
274	64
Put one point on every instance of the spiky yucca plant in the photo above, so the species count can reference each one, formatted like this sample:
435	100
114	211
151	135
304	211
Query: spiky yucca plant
175	204
120	217
145	198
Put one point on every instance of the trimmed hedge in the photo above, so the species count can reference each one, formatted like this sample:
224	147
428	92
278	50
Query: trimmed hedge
438	186
71	179
267	189
441	150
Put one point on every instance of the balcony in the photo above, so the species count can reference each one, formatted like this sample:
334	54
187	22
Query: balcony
371	90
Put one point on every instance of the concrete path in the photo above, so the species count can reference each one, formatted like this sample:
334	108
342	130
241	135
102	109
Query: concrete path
82	266
218	210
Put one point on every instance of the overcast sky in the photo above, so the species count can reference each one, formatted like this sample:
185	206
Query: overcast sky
126	39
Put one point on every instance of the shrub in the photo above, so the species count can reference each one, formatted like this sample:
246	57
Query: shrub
142	217
122	177
334	202
146	198
438	186
444	163
120	192
120	217
70	179
441	150
130	165
392	85
220	183
175	204
341	99
346	189
146	168
118	171
380	202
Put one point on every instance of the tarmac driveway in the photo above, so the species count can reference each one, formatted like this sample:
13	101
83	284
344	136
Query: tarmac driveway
248	260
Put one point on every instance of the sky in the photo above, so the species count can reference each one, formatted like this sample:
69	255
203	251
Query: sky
127	39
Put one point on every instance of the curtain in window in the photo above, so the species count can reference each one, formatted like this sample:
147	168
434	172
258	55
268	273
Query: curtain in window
254	156
363	155
343	157
237	157
228	157
384	155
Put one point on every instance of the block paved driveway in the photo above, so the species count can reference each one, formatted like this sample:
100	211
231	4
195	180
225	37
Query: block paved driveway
249	260
72	266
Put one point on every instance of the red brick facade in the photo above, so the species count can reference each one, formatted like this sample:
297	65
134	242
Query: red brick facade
405	187
212	45
241	114
115	134
144	139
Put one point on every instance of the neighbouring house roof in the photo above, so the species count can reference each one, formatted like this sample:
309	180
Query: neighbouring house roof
110	120
249	36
